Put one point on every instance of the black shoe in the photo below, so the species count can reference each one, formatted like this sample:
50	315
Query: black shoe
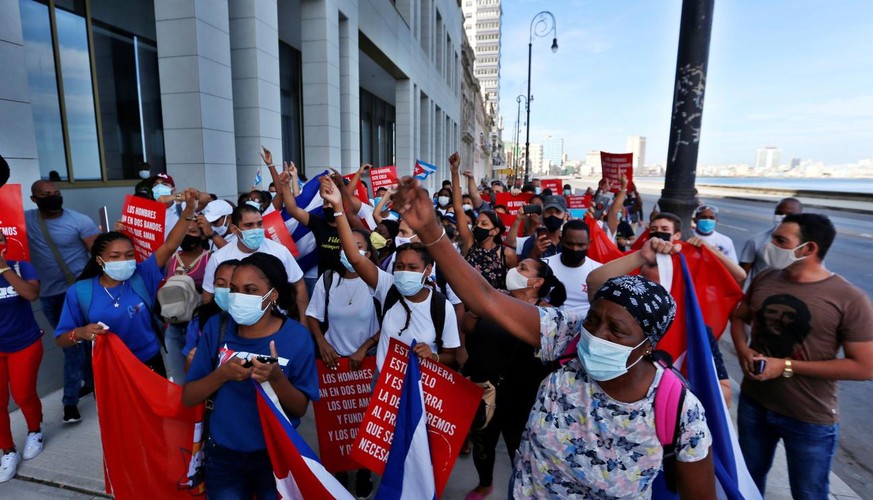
71	414
363	484
85	390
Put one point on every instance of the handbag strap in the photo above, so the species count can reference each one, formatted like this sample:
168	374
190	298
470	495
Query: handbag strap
68	276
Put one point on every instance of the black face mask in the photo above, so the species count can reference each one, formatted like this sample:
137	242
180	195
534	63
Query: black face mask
661	235
573	258
51	203
329	216
190	242
480	234
553	223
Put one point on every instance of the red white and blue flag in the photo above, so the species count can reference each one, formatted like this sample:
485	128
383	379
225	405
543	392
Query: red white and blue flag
423	170
733	480
296	468
409	469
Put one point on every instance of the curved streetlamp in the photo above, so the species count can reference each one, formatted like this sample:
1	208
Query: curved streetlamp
540	26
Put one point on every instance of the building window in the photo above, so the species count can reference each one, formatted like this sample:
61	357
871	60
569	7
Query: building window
290	92
377	130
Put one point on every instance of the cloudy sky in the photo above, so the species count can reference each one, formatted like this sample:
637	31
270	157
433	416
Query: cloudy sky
796	74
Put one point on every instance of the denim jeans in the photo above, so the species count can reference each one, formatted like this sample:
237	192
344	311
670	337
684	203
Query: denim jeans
809	448
77	359
174	340
231	474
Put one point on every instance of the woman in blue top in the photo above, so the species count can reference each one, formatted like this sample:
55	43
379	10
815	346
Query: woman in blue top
237	463
116	291
20	355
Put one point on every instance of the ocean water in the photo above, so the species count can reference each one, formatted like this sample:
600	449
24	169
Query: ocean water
838	185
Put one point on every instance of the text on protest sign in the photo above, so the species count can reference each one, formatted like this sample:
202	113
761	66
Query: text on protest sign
343	397
276	230
555	185
580	201
450	402
613	165
144	223
513	202
382	177
12	223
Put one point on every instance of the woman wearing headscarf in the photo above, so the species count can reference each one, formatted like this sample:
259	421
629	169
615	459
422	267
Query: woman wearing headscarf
591	432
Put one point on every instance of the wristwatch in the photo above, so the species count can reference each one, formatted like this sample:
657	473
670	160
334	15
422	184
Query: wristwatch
787	372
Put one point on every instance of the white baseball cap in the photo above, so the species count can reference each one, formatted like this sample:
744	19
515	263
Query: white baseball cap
217	209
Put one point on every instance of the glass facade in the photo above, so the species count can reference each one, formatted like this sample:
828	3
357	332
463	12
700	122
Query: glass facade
377	130
290	87
94	87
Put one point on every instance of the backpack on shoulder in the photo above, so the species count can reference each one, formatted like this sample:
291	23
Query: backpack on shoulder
178	298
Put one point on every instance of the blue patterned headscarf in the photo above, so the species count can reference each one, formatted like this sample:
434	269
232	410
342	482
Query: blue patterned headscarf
648	302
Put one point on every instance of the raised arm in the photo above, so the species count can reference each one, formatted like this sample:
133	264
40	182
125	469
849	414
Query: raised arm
363	266
511	239
174	239
356	179
351	204
267	156
380	207
464	233
26	289
290	202
473	190
629	263
616	207
519	318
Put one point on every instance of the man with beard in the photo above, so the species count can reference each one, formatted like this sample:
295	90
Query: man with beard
59	241
801	314
572	266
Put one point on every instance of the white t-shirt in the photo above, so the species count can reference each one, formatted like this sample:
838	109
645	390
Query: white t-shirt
575	281
723	243
421	327
366	215
519	243
352	318
232	251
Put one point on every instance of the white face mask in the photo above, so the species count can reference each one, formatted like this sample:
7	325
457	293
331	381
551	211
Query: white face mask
777	219
468	208
515	280
780	258
443	200
401	240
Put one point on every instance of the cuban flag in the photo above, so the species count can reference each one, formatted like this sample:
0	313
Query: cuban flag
258	178
423	170
409	469
296	468
311	201
732	477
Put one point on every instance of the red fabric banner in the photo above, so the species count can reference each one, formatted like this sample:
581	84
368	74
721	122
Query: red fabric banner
513	203
640	241
600	247
343	397
276	230
12	223
144	222
614	164
508	220
147	433
383	177
450	401
360	190
556	185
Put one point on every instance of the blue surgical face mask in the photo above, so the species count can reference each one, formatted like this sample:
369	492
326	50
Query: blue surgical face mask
252	238
222	296
538	190
706	226
159	190
246	309
345	260
602	359
119	270
376	200
408	283
254	204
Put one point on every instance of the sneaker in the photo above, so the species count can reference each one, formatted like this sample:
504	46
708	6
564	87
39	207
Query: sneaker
33	445
363	485
9	466
85	391
71	414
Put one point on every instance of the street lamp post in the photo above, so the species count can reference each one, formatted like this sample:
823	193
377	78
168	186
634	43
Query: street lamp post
518	99
540	26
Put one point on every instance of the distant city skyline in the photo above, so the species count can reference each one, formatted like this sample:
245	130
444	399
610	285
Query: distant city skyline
796	75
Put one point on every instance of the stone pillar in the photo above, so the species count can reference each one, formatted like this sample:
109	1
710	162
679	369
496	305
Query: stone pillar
257	113
350	106
197	94
404	137
321	85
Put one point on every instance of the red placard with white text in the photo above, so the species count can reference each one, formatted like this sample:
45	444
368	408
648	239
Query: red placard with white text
613	165
580	201
12	223
343	397
513	202
276	230
383	177
144	223
360	191
450	402
556	185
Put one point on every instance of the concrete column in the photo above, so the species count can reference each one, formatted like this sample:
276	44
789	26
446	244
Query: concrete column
350	107
196	93
321	85
17	134
257	113
405	137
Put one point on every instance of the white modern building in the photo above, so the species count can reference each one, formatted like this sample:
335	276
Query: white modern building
637	145
482	23
768	158
90	89
553	152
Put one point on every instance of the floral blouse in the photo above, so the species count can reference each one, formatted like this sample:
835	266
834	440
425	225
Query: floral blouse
580	443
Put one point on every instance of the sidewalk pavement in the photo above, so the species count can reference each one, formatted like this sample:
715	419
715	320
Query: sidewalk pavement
71	465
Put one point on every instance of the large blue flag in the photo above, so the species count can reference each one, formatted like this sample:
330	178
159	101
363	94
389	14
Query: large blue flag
409	469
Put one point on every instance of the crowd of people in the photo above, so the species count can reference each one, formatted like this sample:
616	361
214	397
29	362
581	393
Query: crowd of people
564	346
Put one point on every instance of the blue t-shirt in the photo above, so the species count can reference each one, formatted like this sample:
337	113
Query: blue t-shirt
234	423
131	320
67	231
18	328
